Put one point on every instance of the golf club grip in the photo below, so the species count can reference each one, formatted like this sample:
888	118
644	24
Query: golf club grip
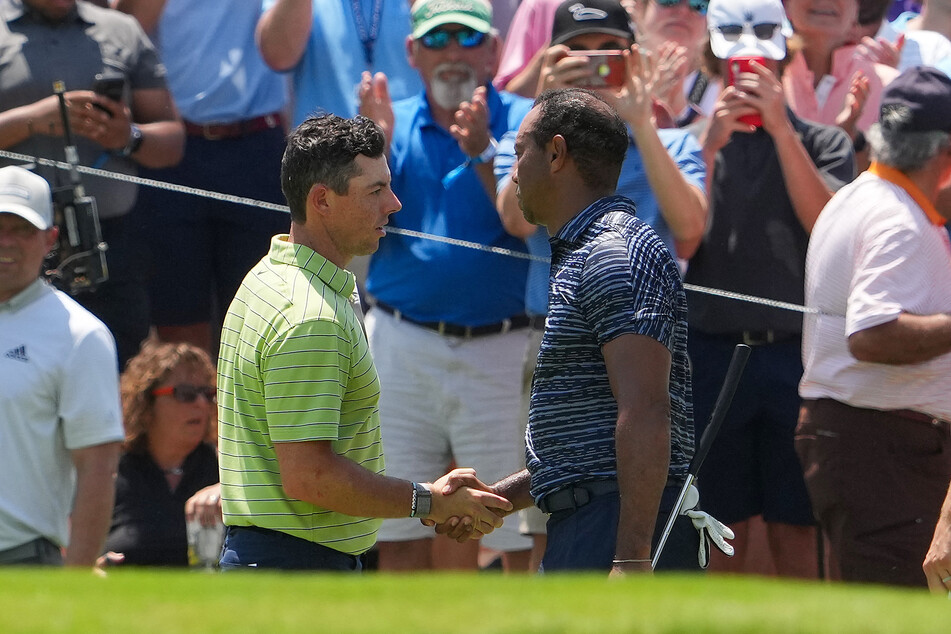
733	373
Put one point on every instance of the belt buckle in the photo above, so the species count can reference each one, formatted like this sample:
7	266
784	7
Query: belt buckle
208	134
271	120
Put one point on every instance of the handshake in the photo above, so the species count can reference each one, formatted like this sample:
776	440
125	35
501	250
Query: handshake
464	507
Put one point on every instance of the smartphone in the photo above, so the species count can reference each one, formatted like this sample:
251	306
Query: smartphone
111	87
609	69
741	64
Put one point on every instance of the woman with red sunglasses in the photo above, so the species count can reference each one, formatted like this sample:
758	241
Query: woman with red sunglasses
169	468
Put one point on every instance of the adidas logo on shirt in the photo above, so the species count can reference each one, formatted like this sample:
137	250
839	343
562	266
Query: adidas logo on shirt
18	354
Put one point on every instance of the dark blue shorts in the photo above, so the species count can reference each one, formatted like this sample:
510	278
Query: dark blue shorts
200	249
253	547
752	468
585	539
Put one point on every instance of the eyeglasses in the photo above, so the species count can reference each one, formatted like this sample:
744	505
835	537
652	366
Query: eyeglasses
438	39
763	31
187	393
700	6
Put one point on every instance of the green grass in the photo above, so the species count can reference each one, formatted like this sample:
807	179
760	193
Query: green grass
169	602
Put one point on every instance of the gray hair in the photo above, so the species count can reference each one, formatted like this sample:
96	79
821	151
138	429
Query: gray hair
905	151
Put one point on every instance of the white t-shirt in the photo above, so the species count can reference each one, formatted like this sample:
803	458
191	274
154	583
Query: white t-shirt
874	254
59	391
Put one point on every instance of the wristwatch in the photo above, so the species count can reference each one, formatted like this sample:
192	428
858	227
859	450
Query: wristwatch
487	154
422	500
135	141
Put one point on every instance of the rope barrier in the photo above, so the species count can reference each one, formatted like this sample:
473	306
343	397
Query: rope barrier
251	202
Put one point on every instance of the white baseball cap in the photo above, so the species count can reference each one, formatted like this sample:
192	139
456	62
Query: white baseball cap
748	27
27	195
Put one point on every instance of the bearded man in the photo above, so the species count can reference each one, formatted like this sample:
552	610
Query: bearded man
448	329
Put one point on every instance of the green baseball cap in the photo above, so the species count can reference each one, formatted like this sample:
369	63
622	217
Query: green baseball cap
428	14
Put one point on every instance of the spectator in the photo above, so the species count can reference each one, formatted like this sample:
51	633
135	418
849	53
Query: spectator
663	171
231	103
297	387
448	329
767	185
525	46
59	405
674	32
167	471
609	434
328	45
826	81
73	41
927	37
876	411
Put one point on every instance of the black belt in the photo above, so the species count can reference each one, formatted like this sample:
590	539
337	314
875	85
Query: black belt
574	496
455	330
38	551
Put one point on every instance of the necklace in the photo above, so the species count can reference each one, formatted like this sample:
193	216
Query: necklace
175	471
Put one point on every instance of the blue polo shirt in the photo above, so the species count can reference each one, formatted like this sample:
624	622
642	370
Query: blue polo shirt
611	275
434	281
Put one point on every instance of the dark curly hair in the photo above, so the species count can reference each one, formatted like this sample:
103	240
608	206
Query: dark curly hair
146	371
322	151
594	133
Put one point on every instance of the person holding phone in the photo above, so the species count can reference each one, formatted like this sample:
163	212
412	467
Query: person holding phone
767	184
74	41
593	47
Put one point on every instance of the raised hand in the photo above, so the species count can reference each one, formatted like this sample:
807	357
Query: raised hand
471	127
560	70
375	102
634	100
854	103
881	51
764	93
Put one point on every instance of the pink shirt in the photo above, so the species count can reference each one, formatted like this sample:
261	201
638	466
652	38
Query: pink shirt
823	102
529	32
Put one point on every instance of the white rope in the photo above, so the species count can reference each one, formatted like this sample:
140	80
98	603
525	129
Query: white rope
251	202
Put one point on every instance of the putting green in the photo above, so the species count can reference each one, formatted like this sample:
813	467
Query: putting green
168	602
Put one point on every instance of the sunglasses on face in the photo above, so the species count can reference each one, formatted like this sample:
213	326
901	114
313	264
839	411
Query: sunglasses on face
763	31
438	39
186	393
700	6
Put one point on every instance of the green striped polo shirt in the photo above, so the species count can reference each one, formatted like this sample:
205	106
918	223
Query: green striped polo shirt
294	366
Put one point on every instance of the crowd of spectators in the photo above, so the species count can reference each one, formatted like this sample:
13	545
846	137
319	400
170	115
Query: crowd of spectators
732	167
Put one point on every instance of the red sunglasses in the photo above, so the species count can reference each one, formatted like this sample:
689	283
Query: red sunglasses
186	393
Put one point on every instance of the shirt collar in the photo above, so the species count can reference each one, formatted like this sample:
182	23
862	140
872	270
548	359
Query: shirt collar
573	229
27	296
339	280
895	177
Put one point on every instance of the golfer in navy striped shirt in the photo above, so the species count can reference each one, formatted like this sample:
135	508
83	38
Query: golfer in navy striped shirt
610	430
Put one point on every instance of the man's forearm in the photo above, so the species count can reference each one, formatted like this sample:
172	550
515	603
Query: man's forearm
643	458
282	33
907	339
95	497
808	192
516	489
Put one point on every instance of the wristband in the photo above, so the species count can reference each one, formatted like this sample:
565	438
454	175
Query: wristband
422	501
631	561
487	154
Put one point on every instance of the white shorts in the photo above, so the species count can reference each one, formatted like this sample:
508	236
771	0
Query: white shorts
446	399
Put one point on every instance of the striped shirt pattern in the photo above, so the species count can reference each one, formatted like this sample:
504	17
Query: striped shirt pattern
610	275
294	366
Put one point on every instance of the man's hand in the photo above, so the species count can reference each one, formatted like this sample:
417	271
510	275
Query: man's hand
634	101
376	103
205	506
670	70
937	564
730	106
560	70
764	93
462	527
471	127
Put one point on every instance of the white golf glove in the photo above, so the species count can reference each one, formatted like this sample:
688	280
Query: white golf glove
710	529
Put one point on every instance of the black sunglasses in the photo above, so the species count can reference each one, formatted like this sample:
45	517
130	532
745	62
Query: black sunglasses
438	39
187	393
763	31
700	6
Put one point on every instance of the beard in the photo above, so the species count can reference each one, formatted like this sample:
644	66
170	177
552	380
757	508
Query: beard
449	93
